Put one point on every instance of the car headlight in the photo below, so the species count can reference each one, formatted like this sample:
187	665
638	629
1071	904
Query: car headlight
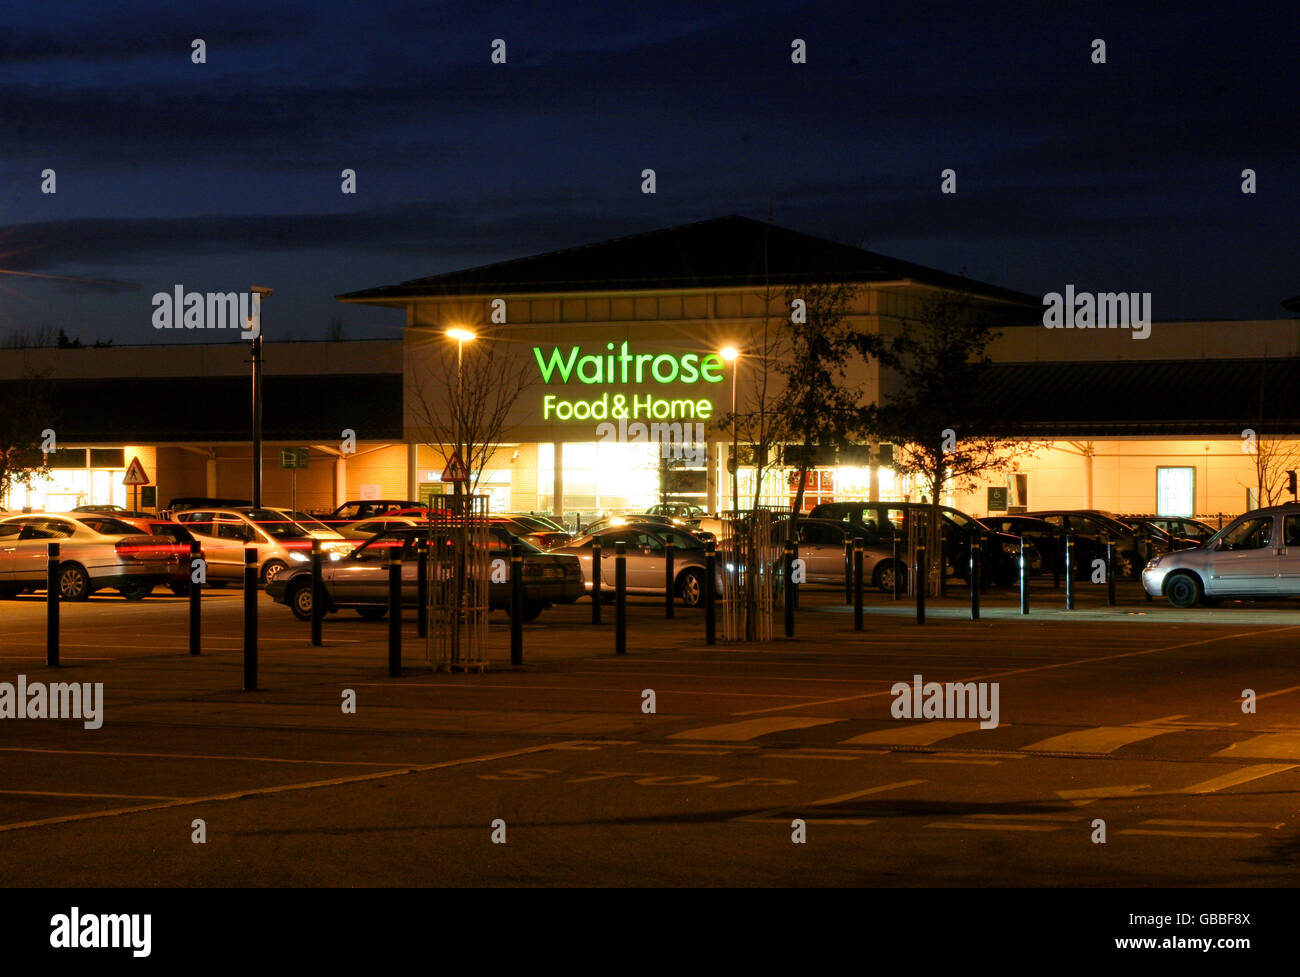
300	557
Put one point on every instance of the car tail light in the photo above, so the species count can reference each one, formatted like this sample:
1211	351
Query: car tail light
146	548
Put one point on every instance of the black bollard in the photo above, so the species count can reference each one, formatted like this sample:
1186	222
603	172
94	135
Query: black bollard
317	611
921	581
898	570
1069	572
516	604
1024	578
788	576
595	581
422	588
196	597
857	584
620	598
710	578
974	573
668	578
1056	564
1110	572
395	613
52	605
848	571
250	619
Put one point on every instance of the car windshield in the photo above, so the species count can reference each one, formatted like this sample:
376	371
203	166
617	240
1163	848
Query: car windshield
277	524
113	527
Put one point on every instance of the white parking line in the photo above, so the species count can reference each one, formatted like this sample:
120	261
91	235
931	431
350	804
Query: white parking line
750	729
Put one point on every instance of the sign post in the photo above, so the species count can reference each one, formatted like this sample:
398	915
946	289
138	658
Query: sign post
135	477
293	459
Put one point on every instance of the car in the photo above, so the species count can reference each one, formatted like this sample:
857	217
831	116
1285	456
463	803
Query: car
821	547
179	554
181	503
645	549
679	510
1186	532
96	552
1001	551
625	519
1255	555
356	509
224	533
1049	541
363	529
1161	538
1132	548
541	531
523	527
360	579
331	540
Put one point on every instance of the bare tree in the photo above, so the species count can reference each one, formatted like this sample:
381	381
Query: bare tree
26	411
1273	456
467	407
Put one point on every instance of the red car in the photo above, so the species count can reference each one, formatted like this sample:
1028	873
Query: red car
178	553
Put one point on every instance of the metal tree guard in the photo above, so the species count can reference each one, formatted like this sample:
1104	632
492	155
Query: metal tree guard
459	580
750	558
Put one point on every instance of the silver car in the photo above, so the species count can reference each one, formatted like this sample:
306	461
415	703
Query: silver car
646	560
280	542
821	547
97	552
1255	555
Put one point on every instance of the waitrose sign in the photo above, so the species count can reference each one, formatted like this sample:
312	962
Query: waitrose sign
619	365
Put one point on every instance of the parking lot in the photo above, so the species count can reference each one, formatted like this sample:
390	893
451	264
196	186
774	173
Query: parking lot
1129	716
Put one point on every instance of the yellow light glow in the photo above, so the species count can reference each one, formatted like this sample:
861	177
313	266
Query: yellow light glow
728	353
463	335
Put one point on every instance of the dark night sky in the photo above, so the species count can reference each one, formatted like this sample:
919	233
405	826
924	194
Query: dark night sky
1123	176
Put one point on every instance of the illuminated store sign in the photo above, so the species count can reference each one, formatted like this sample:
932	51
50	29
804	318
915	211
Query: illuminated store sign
617	366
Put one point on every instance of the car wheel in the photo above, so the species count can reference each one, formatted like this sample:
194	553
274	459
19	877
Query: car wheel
883	578
690	586
372	613
272	570
532	610
135	590
1125	565
1184	590
299	600
74	584
181	588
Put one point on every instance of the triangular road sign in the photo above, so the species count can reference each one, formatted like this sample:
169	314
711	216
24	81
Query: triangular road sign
135	474
455	470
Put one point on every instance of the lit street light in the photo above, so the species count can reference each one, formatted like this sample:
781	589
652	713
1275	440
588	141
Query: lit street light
462	336
731	355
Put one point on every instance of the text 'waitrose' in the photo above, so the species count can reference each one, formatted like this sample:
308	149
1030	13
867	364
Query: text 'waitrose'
620	366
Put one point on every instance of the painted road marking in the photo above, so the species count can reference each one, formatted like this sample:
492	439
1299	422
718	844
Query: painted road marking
1042	668
801	755
1122	790
969	763
775	816
204	756
683	751
1027	817
978	826
1243	776
1173	721
1175	822
1188	834
916	734
1098	739
489	687
1282	746
1269	695
61	793
751	728
839	798
281	788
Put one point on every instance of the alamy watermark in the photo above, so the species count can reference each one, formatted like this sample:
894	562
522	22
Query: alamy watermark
179	309
132	931
678	441
56	700
1098	310
946	700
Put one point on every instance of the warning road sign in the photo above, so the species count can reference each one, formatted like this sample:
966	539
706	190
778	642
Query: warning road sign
135	474
455	470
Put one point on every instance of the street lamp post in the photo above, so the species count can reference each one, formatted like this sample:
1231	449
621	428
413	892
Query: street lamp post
262	293
462	336
732	355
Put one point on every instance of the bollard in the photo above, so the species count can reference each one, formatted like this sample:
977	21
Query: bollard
974	575
196	599
857	584
848	570
516	604
921	580
794	590
52	605
1069	572
788	578
595	581
1110	572
250	619
1024	578
317	611
1056	564
668	578
422	587
710	577
898	571
395	614
620	598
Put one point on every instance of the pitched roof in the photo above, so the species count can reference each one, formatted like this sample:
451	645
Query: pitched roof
720	252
